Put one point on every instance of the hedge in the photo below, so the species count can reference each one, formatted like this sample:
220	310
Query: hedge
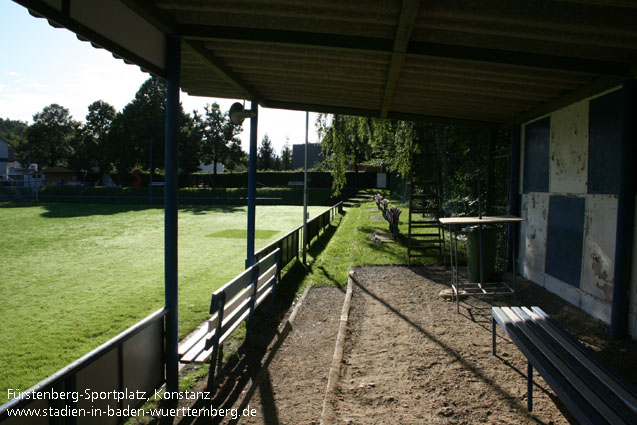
187	196
318	179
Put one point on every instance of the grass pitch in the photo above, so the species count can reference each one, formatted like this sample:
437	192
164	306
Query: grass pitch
75	275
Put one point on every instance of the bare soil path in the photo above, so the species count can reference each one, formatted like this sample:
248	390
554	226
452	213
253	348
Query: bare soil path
409	358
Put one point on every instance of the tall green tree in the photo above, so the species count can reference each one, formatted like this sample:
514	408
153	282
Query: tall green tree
90	142
218	136
141	122
286	156
140	128
237	158
345	143
190	142
50	136
266	158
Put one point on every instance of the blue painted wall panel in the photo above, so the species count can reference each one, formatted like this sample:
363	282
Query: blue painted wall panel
565	238
536	156
604	143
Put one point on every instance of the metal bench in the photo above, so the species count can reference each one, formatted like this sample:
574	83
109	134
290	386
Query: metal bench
589	389
231	305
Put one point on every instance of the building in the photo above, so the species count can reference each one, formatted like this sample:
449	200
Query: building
314	156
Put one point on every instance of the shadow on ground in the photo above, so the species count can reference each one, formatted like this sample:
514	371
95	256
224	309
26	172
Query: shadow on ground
250	359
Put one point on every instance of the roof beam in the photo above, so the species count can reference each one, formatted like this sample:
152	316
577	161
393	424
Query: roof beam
596	86
345	110
284	37
406	21
416	48
166	23
523	59
216	64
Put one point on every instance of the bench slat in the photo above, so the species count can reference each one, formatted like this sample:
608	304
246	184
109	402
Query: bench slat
233	287
622	382
590	381
267	275
264	294
187	344
568	394
564	369
196	350
591	366
242	294
268	261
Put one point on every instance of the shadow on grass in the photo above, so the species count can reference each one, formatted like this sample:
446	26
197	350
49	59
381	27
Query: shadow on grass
78	209
249	363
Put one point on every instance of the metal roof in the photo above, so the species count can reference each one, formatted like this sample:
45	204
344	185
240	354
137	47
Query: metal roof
480	62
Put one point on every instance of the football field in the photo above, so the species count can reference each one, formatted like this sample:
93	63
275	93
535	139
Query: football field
73	275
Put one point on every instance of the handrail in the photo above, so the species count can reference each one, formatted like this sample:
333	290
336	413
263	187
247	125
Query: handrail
84	361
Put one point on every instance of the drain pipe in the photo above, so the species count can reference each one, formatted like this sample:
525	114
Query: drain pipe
625	216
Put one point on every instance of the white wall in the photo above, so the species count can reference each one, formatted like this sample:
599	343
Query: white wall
568	174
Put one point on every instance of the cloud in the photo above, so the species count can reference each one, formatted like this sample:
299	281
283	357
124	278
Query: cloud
13	74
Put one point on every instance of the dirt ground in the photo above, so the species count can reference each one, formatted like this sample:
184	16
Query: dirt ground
409	358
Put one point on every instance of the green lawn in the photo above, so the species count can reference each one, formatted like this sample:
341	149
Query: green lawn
75	275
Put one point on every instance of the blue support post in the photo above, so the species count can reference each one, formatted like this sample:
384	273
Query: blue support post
173	67
514	197
252	184
625	216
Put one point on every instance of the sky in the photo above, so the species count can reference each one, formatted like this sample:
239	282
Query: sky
40	65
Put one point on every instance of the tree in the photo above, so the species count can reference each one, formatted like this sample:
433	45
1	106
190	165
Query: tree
286	156
345	143
266	158
140	123
90	142
50	136
190	140
218	134
237	157
15	133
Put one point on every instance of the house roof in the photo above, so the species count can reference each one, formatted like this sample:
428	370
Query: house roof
479	62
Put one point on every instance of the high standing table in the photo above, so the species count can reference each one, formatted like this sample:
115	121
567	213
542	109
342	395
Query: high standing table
478	288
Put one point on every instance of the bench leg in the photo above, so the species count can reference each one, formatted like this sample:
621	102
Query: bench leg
493	336
529	371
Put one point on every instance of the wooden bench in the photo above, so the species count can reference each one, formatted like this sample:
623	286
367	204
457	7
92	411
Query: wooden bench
231	305
589	389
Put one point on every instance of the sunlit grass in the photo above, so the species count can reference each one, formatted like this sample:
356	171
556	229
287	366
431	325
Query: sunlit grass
75	275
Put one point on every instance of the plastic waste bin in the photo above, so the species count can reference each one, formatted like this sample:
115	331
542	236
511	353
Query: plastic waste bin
489	235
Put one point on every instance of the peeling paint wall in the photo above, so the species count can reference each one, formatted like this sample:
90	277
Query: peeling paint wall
569	149
569	175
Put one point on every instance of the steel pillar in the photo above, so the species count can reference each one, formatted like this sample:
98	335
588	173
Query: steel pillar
173	67
252	184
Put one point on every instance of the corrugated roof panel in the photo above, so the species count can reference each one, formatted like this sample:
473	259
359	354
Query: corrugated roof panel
366	17
573	29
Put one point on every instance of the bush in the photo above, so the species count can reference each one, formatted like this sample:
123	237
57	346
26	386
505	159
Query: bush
187	196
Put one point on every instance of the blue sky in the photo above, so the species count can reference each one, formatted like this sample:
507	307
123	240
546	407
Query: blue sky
40	65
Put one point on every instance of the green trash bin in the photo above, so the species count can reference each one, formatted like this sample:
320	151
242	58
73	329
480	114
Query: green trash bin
489	235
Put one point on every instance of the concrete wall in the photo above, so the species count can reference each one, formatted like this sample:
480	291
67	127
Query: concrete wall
567	244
